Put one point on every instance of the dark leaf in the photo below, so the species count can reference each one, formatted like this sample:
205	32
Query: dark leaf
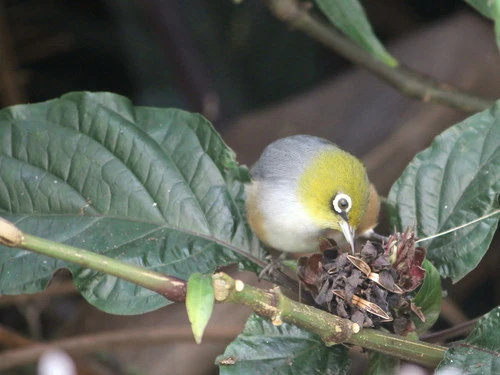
480	352
350	17
454	181
381	364
263	348
153	187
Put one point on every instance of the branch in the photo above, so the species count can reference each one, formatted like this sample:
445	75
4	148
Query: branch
462	329
404	79
330	328
271	304
168	286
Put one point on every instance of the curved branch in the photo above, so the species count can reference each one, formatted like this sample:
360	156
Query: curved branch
170	287
404	79
462	329
62	289
272	304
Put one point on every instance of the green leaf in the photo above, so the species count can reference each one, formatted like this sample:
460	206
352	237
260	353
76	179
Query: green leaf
266	349
480	352
157	188
349	16
454	181
428	298
199	303
491	10
290	264
381	364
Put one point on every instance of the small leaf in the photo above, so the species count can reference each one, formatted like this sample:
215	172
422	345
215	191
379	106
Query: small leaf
454	181
381	364
490	9
199	303
428	298
263	348
153	187
349	16
290	264
480	352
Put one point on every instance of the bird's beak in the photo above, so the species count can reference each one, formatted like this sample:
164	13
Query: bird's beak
348	232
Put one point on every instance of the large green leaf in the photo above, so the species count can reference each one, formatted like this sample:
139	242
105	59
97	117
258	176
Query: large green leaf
263	348
153	187
454	181
349	16
491	10
480	352
381	364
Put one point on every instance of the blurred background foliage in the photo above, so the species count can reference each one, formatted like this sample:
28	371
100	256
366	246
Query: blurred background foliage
203	55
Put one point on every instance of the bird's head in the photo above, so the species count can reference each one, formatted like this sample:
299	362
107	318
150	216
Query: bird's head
334	190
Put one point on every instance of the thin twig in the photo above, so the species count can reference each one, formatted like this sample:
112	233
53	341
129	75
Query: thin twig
63	289
450	333
404	79
111	340
12	339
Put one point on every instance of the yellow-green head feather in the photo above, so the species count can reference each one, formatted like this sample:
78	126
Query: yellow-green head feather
333	171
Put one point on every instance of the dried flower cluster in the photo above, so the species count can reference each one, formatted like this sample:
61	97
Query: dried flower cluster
372	287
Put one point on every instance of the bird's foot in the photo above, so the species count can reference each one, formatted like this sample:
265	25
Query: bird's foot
273	265
371	235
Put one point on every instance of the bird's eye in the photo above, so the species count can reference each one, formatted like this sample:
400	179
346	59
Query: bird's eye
342	203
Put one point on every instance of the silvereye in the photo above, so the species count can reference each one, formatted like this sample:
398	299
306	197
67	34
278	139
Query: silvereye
304	190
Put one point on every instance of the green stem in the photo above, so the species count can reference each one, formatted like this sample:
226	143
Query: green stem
331	328
272	304
426	354
170	287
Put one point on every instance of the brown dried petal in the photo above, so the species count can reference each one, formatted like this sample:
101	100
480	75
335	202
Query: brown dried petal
397	302
371	308
341	308
417	311
342	261
312	270
330	255
380	263
379	297
369	252
355	280
359	317
385	280
324	294
408	260
360	264
362	303
339	293
403	325
366	288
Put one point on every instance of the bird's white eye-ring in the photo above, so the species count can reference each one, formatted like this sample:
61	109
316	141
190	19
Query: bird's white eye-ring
342	203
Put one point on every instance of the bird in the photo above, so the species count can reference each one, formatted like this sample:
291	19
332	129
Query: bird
305	190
